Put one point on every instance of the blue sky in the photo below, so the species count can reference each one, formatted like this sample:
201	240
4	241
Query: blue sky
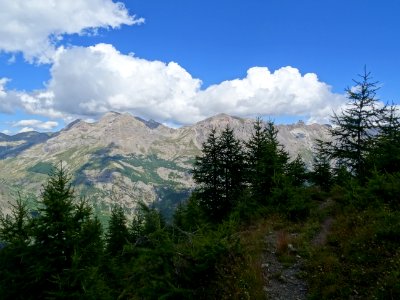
180	61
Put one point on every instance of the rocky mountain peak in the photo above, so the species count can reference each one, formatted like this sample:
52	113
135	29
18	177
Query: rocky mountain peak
220	121
75	123
126	121
220	118
111	114
109	117
135	154
149	123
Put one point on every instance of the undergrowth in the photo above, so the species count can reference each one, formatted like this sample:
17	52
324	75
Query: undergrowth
361	259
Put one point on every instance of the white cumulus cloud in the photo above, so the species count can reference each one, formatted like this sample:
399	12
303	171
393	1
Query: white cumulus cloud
8	99
89	81
34	27
26	129
3	82
33	124
284	92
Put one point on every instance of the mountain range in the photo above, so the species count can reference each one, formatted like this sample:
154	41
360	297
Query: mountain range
124	159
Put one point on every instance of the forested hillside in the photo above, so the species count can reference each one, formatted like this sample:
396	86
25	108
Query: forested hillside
335	227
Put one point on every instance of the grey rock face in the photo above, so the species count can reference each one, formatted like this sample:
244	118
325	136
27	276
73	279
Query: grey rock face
125	159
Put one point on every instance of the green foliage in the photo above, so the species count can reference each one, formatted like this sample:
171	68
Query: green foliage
291	200
42	168
321	175
265	158
219	174
207	172
117	234
232	164
385	188
361	259
190	216
385	155
296	172
57	251
379	189
355	126
169	199
214	246
247	208
341	175
15	228
15	237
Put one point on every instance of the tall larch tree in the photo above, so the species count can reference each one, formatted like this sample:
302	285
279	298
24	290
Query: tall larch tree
354	128
117	234
321	174
265	159
207	173
219	173
233	168
65	234
386	153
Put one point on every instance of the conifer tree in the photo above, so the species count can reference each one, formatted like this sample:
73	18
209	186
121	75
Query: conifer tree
54	254
297	172
118	234
233	168
15	252
207	173
321	174
385	156
15	228
64	233
275	149
145	223
256	161
354	128
219	173
265	159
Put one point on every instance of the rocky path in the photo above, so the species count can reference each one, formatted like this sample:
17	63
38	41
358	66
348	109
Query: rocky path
282	282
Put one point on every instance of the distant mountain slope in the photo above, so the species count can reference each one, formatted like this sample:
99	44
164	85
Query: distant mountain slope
125	159
12	146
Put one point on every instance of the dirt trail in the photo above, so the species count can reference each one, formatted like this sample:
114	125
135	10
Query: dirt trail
285	282
282	282
320	238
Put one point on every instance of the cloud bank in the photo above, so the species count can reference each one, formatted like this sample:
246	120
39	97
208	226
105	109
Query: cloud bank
89	81
8	99
86	82
34	124
3	82
35	27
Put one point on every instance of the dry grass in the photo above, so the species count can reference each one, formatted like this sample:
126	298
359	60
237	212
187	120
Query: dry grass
247	279
282	242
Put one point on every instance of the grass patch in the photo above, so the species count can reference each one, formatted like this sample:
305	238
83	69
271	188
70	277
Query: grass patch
42	168
361	259
245	279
